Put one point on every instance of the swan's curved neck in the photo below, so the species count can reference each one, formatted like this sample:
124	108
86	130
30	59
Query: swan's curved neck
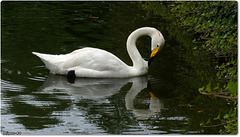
138	61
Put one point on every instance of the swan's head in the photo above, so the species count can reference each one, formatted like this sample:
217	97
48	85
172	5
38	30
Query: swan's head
157	44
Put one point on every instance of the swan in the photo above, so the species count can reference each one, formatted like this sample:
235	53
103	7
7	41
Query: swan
98	63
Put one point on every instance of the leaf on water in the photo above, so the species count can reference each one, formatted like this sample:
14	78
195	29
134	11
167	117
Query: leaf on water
185	105
93	17
200	111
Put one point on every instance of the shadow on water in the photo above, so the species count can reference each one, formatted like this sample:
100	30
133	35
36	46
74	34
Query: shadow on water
164	102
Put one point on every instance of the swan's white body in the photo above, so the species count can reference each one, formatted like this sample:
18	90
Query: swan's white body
88	62
97	63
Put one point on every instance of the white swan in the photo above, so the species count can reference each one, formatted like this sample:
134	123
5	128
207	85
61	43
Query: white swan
97	63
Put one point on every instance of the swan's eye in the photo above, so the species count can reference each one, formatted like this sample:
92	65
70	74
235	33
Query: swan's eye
157	45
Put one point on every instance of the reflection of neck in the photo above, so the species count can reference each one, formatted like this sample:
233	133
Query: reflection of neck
155	104
133	92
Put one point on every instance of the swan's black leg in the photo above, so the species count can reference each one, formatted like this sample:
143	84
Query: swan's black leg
71	76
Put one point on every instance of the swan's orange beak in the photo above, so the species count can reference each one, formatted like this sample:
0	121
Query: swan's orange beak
153	54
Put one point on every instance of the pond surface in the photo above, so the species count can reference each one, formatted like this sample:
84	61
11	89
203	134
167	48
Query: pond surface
35	102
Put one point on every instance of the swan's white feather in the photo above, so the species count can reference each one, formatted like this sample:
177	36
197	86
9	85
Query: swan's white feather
86	62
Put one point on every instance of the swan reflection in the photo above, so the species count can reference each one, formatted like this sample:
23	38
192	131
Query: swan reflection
155	103
102	88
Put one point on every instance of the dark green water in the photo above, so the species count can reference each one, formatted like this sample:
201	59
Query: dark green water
35	102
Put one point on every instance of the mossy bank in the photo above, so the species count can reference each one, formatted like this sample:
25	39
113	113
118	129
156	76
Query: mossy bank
212	26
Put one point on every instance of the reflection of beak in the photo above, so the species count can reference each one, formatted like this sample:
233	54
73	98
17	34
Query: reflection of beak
150	91
153	54
152	95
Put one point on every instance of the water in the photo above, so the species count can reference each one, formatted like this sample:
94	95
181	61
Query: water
35	102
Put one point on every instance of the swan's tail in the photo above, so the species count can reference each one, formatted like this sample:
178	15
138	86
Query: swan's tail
51	61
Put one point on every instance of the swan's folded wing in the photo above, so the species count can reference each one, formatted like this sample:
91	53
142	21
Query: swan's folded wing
90	62
92	58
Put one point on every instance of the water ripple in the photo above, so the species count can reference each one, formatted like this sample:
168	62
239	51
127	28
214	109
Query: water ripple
9	86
